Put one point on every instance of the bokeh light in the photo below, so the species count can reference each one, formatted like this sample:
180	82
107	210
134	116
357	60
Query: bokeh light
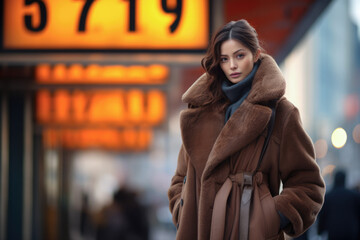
356	133
339	137
352	106
321	148
329	169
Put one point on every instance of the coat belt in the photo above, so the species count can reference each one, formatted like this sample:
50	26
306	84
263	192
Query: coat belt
245	182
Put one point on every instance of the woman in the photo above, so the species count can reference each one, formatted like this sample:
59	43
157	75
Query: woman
224	131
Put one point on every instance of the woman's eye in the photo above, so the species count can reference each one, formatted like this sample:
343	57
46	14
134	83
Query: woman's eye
223	59
240	56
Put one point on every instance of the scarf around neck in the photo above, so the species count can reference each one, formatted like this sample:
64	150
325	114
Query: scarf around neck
237	92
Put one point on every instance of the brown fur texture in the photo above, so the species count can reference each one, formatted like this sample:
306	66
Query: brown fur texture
211	151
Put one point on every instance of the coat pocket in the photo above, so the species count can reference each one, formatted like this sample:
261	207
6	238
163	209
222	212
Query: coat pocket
271	217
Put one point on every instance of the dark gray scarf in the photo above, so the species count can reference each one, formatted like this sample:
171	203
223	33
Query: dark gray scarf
237	92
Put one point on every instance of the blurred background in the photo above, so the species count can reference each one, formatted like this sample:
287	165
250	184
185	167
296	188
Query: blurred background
90	96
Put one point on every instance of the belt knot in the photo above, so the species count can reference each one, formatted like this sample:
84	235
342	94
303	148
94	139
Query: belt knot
246	178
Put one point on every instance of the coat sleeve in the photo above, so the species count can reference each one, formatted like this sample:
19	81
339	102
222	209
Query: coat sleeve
303	187
174	192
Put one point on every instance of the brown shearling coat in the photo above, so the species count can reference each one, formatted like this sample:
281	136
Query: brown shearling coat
211	151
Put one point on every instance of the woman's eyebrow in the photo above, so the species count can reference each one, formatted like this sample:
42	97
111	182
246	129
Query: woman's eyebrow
239	50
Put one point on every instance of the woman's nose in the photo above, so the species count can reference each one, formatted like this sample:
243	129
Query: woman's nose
233	64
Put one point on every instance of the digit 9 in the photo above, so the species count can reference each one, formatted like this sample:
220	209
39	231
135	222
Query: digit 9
177	10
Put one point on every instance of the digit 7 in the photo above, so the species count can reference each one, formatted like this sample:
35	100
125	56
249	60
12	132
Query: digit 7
177	10
84	13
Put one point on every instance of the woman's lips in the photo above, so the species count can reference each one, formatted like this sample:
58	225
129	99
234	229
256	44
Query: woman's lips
235	75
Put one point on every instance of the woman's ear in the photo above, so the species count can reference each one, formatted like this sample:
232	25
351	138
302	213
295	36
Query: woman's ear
257	55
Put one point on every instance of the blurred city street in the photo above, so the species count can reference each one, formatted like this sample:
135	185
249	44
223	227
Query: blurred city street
90	100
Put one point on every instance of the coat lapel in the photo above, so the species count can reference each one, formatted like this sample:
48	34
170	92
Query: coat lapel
246	124
200	130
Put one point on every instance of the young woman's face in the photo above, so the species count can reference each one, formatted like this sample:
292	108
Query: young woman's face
236	60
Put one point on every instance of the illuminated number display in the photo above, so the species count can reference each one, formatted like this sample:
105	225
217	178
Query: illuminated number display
106	24
113	119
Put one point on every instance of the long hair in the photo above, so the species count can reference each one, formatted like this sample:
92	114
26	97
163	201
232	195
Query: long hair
239	30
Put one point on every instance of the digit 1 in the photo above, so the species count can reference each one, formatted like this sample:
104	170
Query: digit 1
84	13
43	16
132	12
177	10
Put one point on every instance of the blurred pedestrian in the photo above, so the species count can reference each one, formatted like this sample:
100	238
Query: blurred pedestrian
237	110
123	219
340	215
86	225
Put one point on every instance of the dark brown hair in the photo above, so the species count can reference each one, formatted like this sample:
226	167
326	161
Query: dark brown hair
239	30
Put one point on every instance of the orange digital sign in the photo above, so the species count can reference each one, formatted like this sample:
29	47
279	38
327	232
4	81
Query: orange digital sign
127	139
110	119
106	24
95	74
101	107
116	119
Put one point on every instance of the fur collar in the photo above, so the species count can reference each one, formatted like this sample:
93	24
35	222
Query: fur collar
246	124
268	84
